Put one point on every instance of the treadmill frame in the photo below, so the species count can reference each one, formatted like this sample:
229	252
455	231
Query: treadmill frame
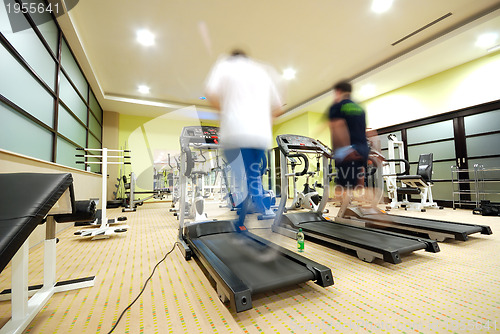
286	227
228	285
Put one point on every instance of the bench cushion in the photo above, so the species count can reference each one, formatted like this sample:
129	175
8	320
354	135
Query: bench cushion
25	200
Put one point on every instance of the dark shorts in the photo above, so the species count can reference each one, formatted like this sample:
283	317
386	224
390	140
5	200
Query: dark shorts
350	173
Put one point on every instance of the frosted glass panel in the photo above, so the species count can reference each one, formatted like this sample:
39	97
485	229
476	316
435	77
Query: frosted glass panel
66	154
488	163
442	150
72	100
24	90
14	130
95	107
71	128
483	145
96	168
34	52
425	133
480	123
95	127
93	142
442	170
71	67
442	191
48	29
384	138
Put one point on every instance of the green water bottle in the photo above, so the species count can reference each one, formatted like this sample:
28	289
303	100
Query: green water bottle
300	240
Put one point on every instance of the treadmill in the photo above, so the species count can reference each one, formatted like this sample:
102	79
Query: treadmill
230	258
368	243
438	230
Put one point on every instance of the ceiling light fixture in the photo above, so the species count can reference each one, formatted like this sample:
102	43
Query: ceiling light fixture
143	89
487	40
289	74
145	37
381	6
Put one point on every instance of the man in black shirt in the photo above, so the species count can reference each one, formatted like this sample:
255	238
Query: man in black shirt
348	129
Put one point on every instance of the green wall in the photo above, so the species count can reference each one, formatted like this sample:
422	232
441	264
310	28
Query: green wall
150	141
463	86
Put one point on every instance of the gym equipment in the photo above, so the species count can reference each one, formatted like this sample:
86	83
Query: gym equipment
309	198
366	242
195	207
104	231
26	201
174	179
131	202
419	184
439	230
229	256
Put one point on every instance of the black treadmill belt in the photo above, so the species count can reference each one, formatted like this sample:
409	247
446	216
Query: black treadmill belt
253	263
429	224
373	240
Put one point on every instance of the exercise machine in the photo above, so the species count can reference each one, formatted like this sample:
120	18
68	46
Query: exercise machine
402	184
26	201
230	257
439	230
309	198
368	243
117	157
131	202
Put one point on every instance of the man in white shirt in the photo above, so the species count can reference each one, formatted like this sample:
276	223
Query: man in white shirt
244	92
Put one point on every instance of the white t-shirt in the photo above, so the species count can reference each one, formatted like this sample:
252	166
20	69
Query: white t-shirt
247	95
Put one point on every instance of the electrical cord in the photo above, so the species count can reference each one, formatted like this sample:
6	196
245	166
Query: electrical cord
143	288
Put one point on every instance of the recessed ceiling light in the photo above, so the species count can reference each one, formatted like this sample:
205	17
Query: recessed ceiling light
487	40
289	73
143	89
145	37
380	6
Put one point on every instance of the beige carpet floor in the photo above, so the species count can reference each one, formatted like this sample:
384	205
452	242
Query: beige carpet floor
454	291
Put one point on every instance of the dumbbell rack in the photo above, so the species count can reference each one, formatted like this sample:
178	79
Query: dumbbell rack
104	230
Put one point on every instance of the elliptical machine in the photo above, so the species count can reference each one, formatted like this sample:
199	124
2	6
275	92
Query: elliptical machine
309	198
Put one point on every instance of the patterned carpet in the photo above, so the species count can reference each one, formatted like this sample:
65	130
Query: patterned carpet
454	291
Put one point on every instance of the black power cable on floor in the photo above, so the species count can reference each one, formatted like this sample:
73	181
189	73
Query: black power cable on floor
143	288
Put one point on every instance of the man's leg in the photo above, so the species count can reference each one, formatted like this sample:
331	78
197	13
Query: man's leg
253	159
238	188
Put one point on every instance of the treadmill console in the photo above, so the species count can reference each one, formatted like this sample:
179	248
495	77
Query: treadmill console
290	143
199	135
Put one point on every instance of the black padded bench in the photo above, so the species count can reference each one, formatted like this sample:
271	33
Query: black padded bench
26	201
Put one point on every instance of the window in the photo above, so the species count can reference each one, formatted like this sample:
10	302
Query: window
33	123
